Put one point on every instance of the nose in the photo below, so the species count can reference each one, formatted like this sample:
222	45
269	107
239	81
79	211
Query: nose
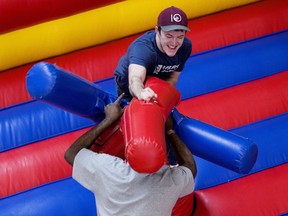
174	41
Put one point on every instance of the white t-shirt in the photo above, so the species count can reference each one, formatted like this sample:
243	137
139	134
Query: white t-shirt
121	191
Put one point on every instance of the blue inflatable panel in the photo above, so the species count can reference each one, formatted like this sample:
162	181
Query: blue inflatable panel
228	66
271	137
34	121
64	197
213	144
107	85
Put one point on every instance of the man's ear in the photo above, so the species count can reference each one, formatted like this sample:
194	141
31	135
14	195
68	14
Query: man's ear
158	29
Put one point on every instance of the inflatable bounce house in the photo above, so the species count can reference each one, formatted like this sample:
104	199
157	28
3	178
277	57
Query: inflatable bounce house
57	60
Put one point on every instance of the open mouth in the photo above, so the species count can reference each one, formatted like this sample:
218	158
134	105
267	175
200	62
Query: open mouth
172	47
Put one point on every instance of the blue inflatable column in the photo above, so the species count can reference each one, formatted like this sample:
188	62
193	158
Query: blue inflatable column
218	146
65	90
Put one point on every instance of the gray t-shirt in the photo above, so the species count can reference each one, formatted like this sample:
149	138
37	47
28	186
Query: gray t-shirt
121	191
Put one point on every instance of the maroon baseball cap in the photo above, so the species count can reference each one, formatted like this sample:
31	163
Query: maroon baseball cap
173	18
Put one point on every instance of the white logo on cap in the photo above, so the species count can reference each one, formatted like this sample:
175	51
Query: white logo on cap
176	17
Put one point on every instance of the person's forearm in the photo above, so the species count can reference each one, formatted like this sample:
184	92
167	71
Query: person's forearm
136	86
86	140
181	151
183	155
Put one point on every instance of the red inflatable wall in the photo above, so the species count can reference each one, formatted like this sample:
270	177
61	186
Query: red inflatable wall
224	199
14	12
226	105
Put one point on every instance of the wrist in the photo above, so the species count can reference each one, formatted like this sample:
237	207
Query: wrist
108	120
170	131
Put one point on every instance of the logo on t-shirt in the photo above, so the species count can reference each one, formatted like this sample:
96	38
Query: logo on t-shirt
165	69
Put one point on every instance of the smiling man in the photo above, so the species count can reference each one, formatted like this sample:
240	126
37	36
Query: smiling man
161	53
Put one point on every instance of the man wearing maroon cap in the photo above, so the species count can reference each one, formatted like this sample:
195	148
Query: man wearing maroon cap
160	53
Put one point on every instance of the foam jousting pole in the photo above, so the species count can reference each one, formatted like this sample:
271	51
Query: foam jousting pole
143	126
53	85
142	123
218	146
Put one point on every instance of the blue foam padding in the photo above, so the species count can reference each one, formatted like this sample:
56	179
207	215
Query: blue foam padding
216	145
271	138
34	121
53	85
231	65
63	197
107	85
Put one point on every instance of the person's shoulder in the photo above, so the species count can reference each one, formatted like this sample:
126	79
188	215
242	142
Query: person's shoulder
85	152
144	45
176	169
146	37
187	42
149	34
82	157
186	47
184	170
181	175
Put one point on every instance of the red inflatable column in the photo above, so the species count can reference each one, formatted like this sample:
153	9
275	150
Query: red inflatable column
184	206
143	127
